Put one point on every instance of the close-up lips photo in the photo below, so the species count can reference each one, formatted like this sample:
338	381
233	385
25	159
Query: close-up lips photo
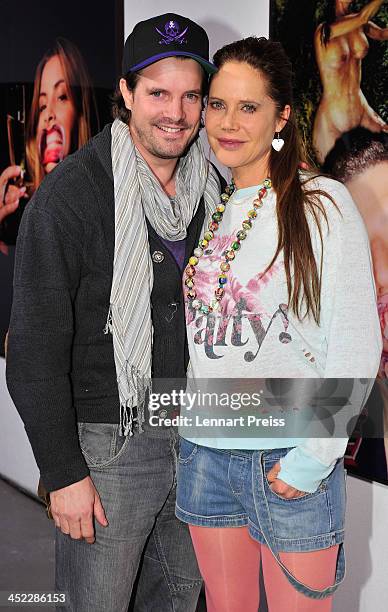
52	145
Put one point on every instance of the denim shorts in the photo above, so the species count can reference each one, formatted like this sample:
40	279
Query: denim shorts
229	488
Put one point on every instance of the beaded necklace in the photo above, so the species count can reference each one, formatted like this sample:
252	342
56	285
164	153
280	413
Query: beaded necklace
228	255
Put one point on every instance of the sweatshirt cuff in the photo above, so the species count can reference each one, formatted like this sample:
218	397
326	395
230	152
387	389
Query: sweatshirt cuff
302	471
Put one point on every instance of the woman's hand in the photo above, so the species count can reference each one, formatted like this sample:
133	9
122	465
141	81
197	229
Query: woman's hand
280	487
348	23
10	195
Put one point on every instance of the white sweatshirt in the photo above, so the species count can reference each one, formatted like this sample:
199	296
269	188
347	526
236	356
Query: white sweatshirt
255	335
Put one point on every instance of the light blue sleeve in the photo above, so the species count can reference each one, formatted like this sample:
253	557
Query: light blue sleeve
303	471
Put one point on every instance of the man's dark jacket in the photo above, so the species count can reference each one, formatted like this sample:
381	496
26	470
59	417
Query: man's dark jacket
60	364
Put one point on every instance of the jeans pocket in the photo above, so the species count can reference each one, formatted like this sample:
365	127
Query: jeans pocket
268	465
101	443
187	451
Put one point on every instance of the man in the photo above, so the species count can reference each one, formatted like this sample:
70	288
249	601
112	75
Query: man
360	160
102	245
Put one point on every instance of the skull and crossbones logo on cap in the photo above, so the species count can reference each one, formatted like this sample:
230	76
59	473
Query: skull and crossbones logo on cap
172	33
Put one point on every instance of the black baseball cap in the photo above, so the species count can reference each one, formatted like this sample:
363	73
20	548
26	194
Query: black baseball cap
167	35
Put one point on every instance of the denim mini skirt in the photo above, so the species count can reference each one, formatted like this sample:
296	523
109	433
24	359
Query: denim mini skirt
229	488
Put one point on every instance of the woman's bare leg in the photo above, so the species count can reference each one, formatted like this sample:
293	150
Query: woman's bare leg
315	569
324	133
229	561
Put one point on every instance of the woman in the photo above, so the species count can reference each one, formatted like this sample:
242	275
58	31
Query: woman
59	123
341	43
270	294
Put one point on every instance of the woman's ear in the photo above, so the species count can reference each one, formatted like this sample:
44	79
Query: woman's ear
283	118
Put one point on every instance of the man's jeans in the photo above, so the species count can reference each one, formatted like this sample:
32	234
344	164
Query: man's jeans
135	477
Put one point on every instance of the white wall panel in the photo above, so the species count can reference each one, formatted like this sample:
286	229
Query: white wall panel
17	461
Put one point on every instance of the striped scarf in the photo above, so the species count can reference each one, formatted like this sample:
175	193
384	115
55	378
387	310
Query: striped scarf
138	195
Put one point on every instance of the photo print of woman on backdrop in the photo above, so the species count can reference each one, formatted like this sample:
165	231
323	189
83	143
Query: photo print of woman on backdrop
55	93
59	123
341	43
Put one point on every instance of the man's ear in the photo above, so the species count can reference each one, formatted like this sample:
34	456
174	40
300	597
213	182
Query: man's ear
127	94
283	118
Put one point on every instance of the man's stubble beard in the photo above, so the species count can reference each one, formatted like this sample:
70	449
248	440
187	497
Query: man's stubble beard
150	143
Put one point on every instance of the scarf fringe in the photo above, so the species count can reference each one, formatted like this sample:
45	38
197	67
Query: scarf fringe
135	383
138	384
108	329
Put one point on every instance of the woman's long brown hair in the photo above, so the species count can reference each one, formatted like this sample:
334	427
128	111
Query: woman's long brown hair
294	197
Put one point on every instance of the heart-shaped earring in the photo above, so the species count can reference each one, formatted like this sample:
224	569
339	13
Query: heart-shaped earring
277	143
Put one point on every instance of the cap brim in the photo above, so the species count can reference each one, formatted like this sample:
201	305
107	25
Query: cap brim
207	66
